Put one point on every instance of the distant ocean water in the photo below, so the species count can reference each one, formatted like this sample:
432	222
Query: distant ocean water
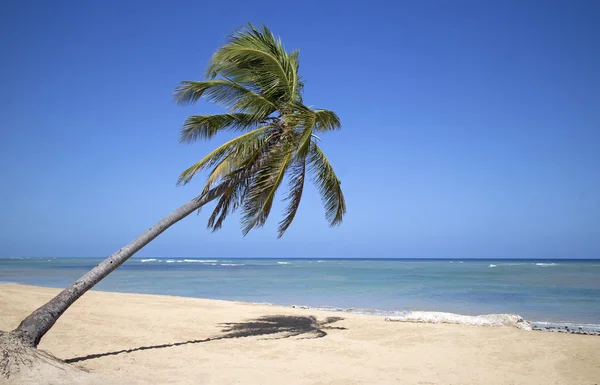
542	291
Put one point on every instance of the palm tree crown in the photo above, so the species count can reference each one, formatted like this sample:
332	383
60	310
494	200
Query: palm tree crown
257	80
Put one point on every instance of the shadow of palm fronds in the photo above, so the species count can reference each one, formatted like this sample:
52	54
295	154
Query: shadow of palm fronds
276	326
281	326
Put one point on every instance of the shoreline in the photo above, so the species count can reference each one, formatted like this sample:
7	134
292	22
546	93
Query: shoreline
566	327
147	339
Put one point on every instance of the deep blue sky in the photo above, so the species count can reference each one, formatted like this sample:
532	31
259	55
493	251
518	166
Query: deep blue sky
470	128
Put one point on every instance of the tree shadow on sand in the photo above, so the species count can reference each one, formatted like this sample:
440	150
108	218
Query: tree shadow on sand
275	327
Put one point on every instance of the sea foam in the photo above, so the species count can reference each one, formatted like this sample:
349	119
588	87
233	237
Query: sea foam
512	320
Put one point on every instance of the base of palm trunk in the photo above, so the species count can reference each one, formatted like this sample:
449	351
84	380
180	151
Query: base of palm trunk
24	364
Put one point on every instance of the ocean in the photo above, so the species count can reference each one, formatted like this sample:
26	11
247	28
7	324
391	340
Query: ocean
545	292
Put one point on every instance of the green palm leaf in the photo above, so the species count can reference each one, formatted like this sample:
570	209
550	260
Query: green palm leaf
296	185
228	202
241	147
206	126
265	182
227	94
256	57
326	120
328	184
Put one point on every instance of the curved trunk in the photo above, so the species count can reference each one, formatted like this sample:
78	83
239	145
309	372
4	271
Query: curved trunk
37	324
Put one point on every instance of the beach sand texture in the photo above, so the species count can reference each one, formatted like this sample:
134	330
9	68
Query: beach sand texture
149	339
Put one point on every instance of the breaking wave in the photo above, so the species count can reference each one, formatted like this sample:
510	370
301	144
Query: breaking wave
542	264
203	261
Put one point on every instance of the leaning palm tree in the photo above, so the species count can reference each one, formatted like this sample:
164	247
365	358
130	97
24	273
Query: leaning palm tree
257	81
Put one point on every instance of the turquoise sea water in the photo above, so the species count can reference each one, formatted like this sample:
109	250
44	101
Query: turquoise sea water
556	291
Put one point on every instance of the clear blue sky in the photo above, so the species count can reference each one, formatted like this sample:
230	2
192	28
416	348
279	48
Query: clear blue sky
470	128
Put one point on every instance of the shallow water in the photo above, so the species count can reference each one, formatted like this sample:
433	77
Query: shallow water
554	291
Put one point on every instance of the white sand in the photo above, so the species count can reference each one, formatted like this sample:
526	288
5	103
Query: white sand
368	351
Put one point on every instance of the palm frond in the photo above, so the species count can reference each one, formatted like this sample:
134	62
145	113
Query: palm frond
305	124
221	170
328	184
238	173
298	83
326	120
235	168
297	173
228	202
227	94
240	147
255	57
206	126
263	186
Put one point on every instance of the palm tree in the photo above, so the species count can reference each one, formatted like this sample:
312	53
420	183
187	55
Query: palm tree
257	81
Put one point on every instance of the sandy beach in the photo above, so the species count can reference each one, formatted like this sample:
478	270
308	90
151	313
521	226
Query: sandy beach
150	339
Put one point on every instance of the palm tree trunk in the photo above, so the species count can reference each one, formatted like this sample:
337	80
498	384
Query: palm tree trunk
36	325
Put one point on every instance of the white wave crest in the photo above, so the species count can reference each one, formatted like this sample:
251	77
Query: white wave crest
148	260
232	264
283	263
545	264
200	260
508	264
171	260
